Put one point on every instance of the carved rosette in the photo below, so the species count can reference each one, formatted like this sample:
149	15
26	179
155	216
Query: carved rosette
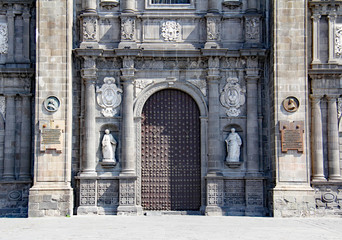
213	28
109	97
252	25
3	38
127	28
170	31
89	28
338	40
233	97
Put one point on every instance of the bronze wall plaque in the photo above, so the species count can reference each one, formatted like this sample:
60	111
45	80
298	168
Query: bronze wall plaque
51	135
291	136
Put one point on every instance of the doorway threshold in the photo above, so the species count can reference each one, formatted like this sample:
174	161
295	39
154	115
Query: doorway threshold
170	213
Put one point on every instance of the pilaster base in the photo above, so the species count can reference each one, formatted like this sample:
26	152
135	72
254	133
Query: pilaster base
54	202
129	45
213	211
130	210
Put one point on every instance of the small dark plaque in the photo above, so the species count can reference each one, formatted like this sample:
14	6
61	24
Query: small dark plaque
292	136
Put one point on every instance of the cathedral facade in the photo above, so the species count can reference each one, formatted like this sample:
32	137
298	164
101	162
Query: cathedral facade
215	107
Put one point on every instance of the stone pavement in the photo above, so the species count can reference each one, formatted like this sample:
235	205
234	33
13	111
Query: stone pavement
170	227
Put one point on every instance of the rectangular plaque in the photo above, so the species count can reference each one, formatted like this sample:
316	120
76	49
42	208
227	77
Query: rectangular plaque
51	135
292	136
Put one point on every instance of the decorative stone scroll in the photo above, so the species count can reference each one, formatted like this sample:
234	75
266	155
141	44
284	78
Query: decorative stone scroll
291	136
233	97
51	135
109	97
3	38
252	29
127	28
338	40
89	28
170	31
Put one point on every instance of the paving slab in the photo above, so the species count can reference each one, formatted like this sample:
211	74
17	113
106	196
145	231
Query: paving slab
170	227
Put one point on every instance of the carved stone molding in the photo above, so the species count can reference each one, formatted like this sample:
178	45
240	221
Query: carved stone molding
109	4
200	84
252	25
338	40
339	108
127	28
3	38
3	106
109	97
233	97
213	28
89	28
170	31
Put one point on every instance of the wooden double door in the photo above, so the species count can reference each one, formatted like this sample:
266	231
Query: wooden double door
170	153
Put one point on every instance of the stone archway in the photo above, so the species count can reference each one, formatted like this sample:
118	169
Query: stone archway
170	152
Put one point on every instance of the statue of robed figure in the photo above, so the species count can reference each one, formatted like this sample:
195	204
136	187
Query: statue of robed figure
108	147
233	143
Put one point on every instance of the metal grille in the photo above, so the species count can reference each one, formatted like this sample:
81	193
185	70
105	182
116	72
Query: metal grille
170	152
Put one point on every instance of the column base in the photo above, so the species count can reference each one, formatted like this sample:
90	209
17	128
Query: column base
336	178
88	174
213	211
319	179
130	211
50	201
211	45
87	210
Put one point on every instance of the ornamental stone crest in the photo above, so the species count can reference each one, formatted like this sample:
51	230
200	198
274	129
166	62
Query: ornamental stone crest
109	97
3	38
338	40
127	28
252	28
89	28
170	31
233	97
213	29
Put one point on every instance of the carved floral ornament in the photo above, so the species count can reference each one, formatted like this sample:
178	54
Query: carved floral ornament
89	28
338	40
109	97
170	31
233	97
127	28
3	38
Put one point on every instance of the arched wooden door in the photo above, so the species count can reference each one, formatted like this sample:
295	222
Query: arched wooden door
170	152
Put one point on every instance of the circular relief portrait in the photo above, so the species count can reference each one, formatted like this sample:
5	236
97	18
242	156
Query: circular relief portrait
52	104
291	104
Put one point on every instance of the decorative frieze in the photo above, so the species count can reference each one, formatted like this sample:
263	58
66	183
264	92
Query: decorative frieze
87	192
252	25
338	40
170	31
3	38
233	97
109	97
127	28
107	193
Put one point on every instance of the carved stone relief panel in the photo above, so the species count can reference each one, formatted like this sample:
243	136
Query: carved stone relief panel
338	40
127	28
109	97
233	97
328	197
213	28
107	193
252	25
3	38
215	193
127	192
3	106
254	193
89	28
233	63
170	31
87	192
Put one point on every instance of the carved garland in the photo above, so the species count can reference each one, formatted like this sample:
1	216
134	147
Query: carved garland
3	38
233	97
170	31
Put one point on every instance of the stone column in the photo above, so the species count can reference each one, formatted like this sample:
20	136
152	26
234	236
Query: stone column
10	20
25	141
89	5
214	143
252	125
332	20
89	25
315	38
128	135
333	140
252	5
213	6
128	5
317	139
89	78
26	35
9	151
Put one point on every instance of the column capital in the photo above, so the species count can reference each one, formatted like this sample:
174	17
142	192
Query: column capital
316	17
89	73
252	79
332	97
315	97
332	17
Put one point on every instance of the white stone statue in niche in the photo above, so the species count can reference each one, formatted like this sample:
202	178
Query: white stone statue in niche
109	97
108	148
233	143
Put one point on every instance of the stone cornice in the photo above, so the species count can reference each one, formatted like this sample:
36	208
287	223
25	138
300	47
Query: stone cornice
17	72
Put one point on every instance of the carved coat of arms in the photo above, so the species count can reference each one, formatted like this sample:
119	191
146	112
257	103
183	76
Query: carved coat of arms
233	97
171	31
127	28
109	97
